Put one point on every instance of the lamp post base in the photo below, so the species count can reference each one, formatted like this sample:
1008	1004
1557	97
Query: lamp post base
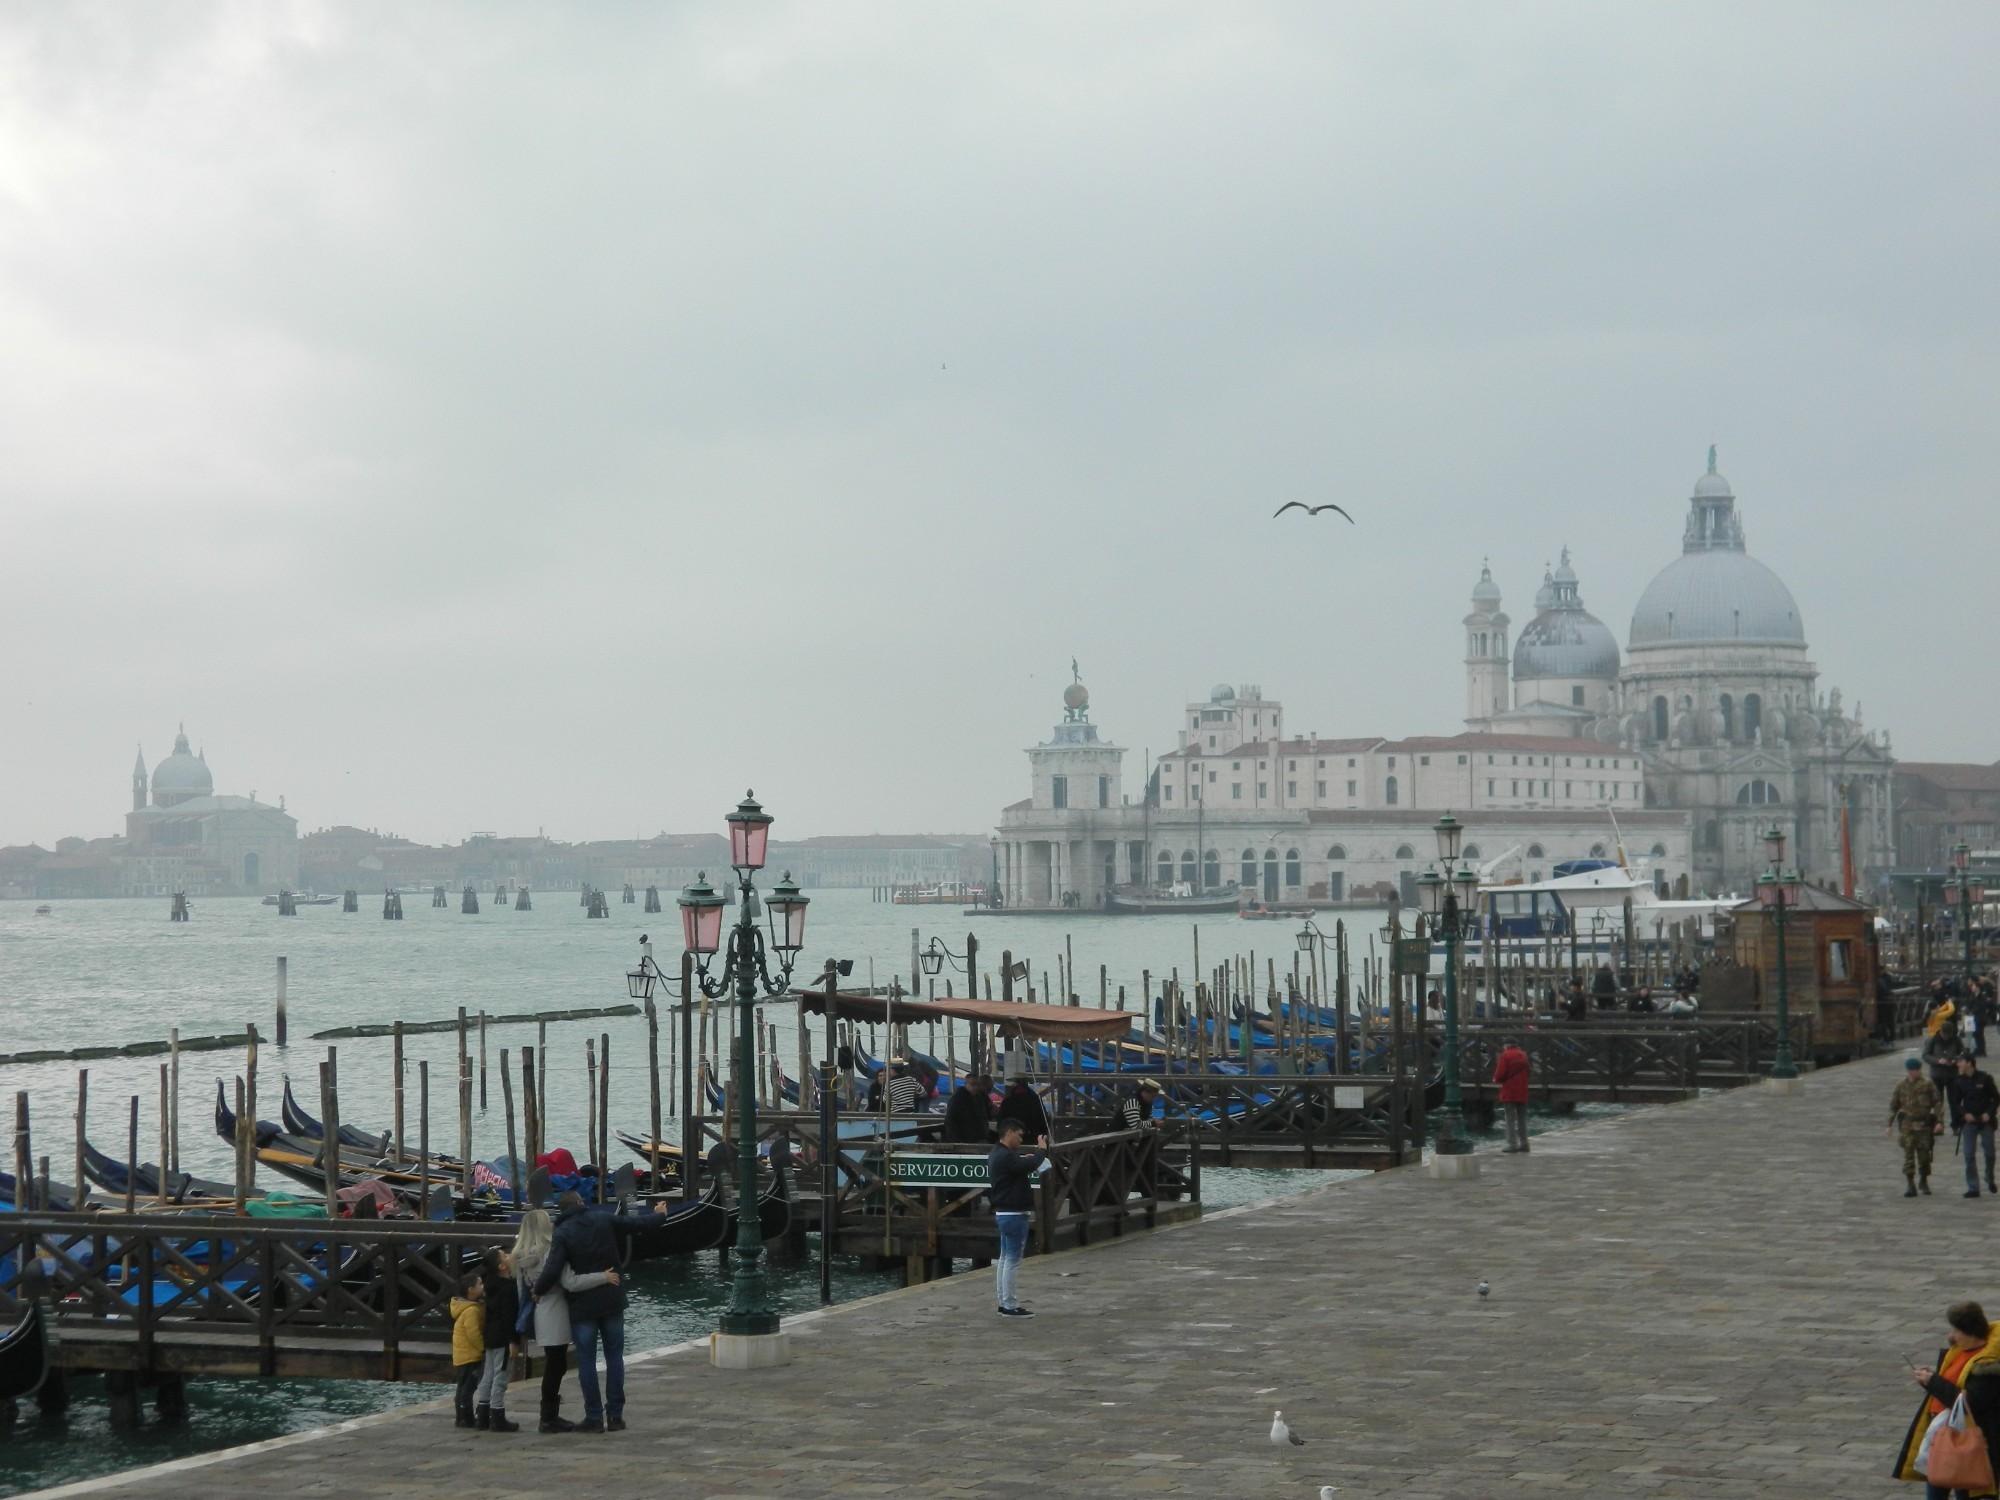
1793	1085
1458	1167
749	1351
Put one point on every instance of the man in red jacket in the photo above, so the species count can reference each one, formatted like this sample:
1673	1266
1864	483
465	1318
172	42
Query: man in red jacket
1510	1072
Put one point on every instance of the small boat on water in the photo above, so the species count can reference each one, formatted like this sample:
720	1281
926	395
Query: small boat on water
304	1126
182	1188
1157	904
303	900
44	909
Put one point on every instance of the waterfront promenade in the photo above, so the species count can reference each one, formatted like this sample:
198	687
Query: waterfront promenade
1707	1299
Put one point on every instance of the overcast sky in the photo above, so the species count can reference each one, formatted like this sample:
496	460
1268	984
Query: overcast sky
507	416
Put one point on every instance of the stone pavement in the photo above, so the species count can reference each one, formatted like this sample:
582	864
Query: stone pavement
1708	1298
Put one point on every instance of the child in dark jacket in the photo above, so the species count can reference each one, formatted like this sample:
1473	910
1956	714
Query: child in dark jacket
503	1308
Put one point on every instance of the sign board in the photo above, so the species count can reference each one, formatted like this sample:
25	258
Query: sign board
935	1169
1349	1096
1413	955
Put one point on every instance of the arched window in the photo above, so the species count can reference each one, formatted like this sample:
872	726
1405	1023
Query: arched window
1472	851
1753	715
1759	793
1404	851
1534	851
1187	867
1337	852
1728	706
251	870
1166	867
1660	718
1292	867
1389	791
1211	870
1659	851
1597	851
1248	874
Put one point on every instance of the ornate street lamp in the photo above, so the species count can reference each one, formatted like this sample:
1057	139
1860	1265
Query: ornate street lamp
935	956
1779	891
1450	900
748	1336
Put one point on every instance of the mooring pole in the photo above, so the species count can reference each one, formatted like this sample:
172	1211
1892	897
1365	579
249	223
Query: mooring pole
174	1114
396	1082
424	1138
513	1156
79	1186
279	1034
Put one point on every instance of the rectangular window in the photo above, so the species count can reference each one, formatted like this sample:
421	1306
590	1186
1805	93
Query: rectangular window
1195	795
1321	766
1392	762
1291	765
1517	788
1350	789
1336	886
1236	791
1261	793
1166	794
1236	765
1322	788
1350	762
1566	789
1104	791
1211	778
1840	958
1291	789
1576	697
1423	760
1059	791
1461	760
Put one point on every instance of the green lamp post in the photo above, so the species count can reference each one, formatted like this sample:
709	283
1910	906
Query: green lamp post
1450	900
1778	890
748	1334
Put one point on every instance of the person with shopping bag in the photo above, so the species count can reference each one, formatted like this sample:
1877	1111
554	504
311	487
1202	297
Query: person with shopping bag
1973	1346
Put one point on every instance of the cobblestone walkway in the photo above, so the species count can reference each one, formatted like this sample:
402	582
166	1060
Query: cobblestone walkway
1702	1299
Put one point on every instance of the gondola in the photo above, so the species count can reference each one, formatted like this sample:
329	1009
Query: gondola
225	1121
61	1196
118	1178
24	1355
692	1227
303	1125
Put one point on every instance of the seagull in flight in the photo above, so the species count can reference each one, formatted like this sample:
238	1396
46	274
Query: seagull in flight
1311	510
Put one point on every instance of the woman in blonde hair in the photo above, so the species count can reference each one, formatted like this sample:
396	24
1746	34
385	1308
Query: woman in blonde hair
550	1325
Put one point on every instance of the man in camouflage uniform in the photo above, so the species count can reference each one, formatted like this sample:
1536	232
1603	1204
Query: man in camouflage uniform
1916	1112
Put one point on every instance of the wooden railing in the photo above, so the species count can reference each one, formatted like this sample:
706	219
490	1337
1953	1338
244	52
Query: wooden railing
235	1296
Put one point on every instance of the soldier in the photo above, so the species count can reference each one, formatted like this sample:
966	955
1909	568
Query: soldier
1915	1112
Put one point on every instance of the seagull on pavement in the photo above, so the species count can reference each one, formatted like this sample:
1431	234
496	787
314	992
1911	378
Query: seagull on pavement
1281	1434
1311	510
1483	1288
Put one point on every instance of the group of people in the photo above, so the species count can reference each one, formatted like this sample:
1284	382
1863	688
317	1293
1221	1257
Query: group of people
559	1286
1577	1003
1945	1089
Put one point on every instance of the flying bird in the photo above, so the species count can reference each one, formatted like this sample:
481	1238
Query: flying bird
1281	1434
1311	510
1483	1288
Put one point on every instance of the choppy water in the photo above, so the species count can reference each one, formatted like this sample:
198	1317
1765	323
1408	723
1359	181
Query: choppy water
111	972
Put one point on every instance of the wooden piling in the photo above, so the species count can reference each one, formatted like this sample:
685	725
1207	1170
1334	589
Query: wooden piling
249	1104
653	1083
174	1112
245	1131
590	1100
278	1032
424	1136
396	1084
24	1162
81	1182
131	1150
329	1140
482	1062
530	1113
513	1155
166	1134
465	1127
604	1107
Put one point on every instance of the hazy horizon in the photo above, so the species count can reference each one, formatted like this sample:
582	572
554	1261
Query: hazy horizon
514	417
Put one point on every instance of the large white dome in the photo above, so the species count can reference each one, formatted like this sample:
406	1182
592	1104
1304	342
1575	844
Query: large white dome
1715	590
182	775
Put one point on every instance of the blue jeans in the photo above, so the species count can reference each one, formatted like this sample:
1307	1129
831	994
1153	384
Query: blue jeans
584	1333
1970	1136
1013	1245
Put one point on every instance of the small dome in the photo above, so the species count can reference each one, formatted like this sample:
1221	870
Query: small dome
1486	592
1565	639
1545	596
1076	696
1713	486
1222	692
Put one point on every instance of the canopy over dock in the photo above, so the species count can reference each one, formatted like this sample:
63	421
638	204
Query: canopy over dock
1049	1023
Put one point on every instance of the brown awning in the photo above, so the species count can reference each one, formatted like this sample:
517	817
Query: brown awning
1053	1023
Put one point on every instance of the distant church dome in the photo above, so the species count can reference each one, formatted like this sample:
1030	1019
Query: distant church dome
1486	593
182	776
1715	591
1222	692
1565	639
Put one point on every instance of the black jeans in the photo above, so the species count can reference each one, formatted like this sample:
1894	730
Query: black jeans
468	1386
556	1365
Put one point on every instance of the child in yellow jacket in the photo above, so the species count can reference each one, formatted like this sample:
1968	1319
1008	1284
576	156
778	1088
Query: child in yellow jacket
468	1344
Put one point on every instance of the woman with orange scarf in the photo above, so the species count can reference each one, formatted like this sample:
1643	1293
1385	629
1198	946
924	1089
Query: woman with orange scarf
1973	1340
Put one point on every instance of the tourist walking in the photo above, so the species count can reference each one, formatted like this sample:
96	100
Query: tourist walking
550	1321
1136	1113
1010	1175
586	1240
468	1346
968	1115
1510	1076
1975	1102
503	1310
1942	1050
1970	1341
1021	1102
1916	1114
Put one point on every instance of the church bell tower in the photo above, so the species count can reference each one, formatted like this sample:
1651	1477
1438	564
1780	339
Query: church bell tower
1486	681
139	781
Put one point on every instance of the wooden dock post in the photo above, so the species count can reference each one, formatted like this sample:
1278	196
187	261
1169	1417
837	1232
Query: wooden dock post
246	1110
174	1117
590	1099
82	1182
482	1062
396	1084
531	1124
166	1135
542	1084
604	1107
131	1150
521	901
24	1162
465	1127
245	1131
653	1081
1007	975
279	1032
424	1137
513	1155
350	900
329	1140
469	903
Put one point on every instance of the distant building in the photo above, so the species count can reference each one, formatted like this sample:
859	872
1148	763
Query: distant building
1938	804
184	837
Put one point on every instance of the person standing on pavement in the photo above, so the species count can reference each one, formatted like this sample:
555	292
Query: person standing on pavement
468	1347
1975	1102
550	1323
1010	1175
1510	1075
1971	1341
503	1308
1916	1114
1021	1102
586	1240
968	1116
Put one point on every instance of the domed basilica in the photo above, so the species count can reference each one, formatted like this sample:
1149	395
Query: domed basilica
1715	693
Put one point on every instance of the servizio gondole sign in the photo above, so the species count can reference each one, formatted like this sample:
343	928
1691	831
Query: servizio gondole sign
933	1169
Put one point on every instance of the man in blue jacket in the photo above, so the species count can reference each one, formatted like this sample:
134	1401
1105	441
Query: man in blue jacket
1010	1172
586	1240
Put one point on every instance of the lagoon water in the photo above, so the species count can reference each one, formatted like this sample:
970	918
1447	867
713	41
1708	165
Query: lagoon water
112	972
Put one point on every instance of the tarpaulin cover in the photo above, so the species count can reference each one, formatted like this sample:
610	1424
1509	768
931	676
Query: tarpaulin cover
1053	1023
